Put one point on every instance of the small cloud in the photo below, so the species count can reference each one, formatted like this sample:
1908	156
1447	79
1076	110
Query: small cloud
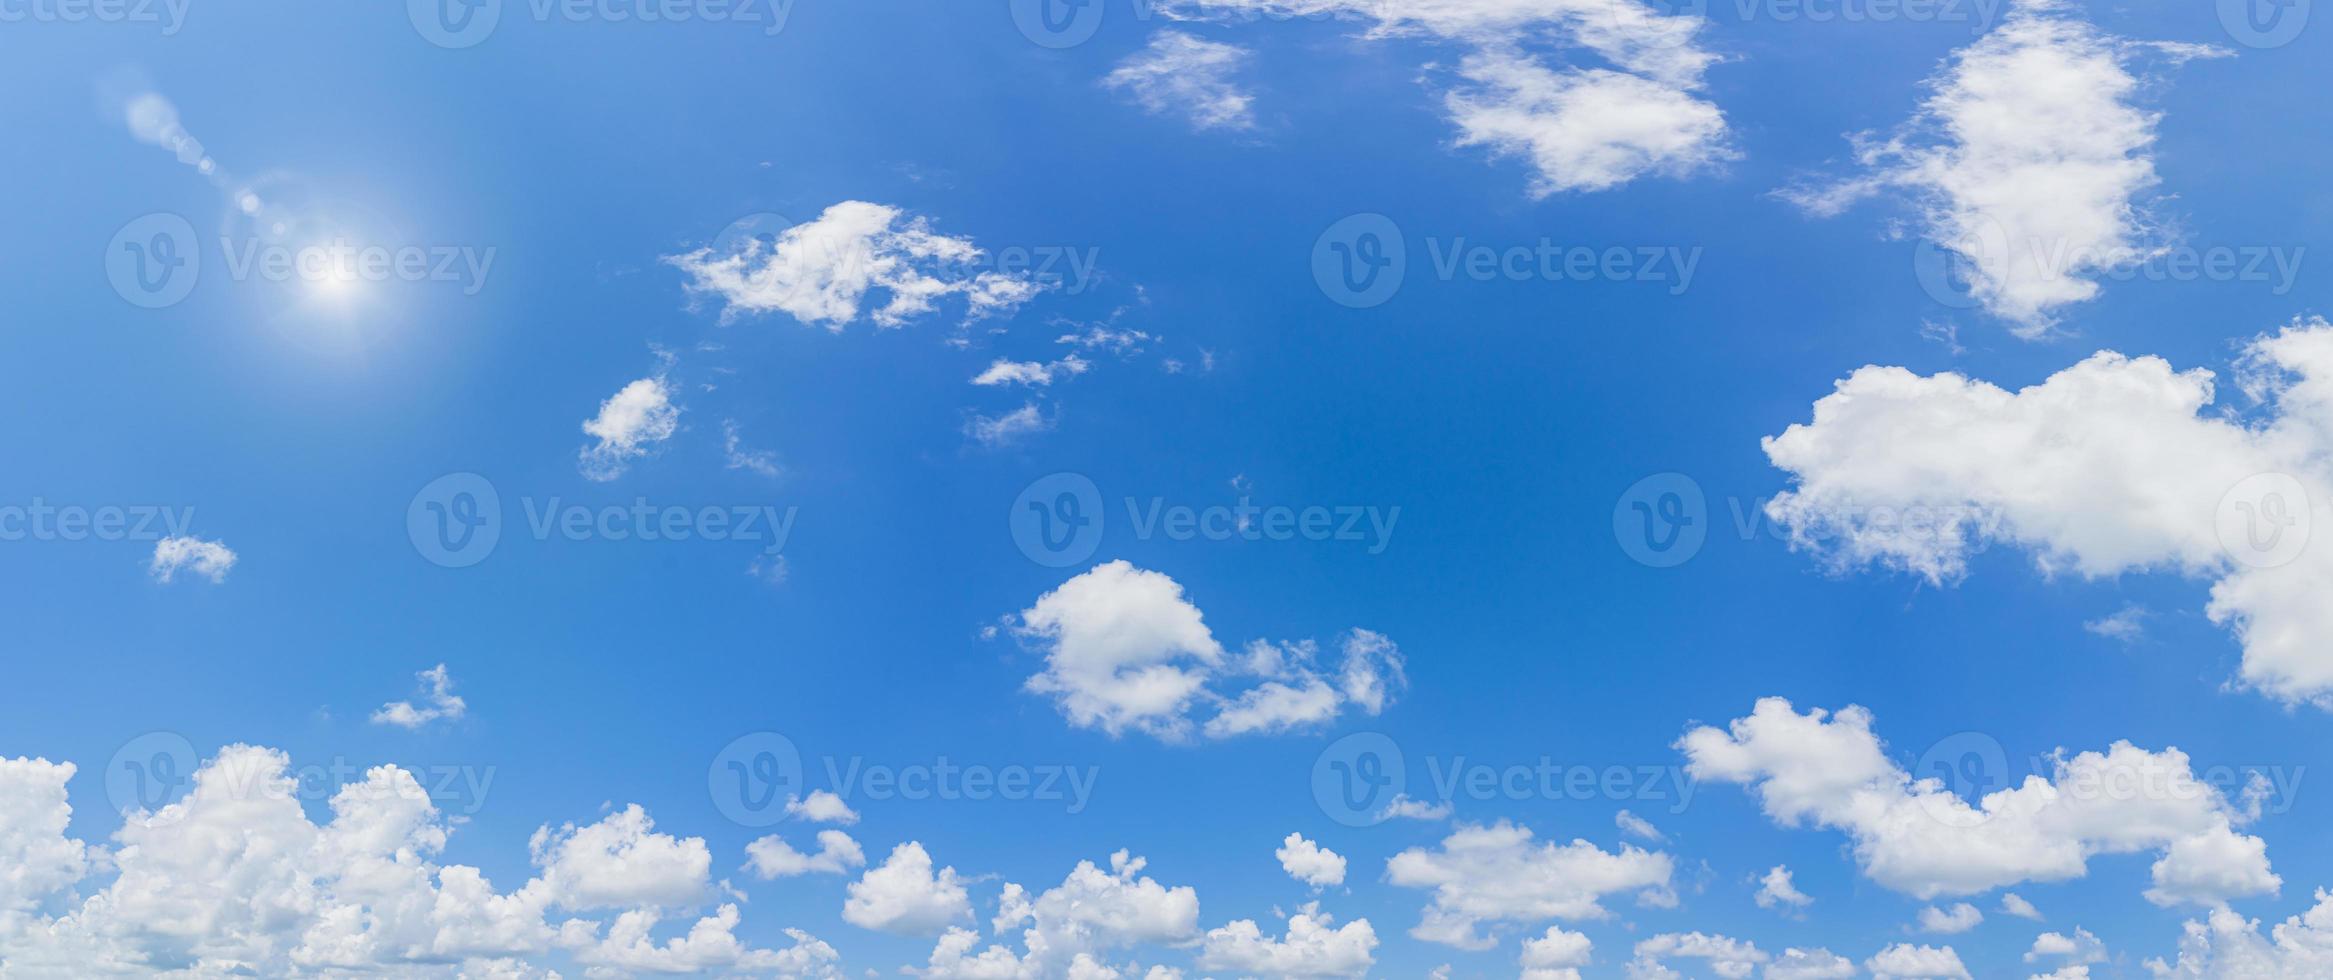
1636	826
1007	428
2127	625
760	461
1777	891
821	806
209	559
630	423
439	703
1961	917
1179	74
1404	808
2011	904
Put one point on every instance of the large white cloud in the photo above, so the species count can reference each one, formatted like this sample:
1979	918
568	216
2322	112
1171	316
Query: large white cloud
1125	651
2029	161
1091	913
1557	955
1917	837
1904	961
2117	464
2228	946
905	894
1499	874
822	271
1581	127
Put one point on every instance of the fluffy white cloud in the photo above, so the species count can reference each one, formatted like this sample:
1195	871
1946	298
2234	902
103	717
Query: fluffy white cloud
822	806
1125	651
2114	465
709	947
1776	891
1809	964
906	895
235	879
1313	947
1917	837
629	424
1310	863
2081	947
771	857
1904	961
1091	912
209	559
820	272
2028	161
2229	946
1558	955
1180	74
1731	958
1583	128
1961	917
438	703
2013	904
1500	874
1636	826
1033	374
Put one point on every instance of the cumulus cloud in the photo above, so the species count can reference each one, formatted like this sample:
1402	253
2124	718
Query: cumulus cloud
1917	837
234	879
1032	374
1183	75
1639	111
2115	465
1904	961
1125	651
1775	891
2080	948
209	559
821	806
1961	917
907	896
1091	913
2227	945
1310	863
1557	955
2029	161
438	703
771	857
2013	904
1499	874
1313	947
822	272
1809	964
1731	958
629	425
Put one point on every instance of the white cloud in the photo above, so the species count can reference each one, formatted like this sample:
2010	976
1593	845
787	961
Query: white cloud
1557	955
1090	912
629	424
821	806
1904	961
235	879
1636	826
1494	874
209	559
2229	946
1404	808
2028	161
1180	74
999	430
821	272
1583	128
2112	466
1775	891
1313	947
1310	863
1917	837
439	703
739	457
905	895
1125	651
1809	964
771	857
2125	625
1731	958
2079	948
1032	374
709	947
2013	904
1961	917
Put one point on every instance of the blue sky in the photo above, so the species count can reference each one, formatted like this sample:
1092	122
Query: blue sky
650	268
